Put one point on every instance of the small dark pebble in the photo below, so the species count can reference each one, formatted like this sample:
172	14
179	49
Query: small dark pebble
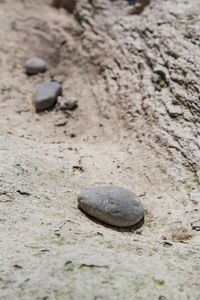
79	168
18	267
99	233
142	194
167	243
196	225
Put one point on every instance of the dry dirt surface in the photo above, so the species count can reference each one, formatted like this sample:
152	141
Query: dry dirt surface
135	71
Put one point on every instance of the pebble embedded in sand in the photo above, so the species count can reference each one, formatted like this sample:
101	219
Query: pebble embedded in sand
61	122
47	94
35	65
115	206
68	103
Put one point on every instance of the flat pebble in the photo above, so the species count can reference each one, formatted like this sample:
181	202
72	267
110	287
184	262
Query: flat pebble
35	65
47	94
61	122
115	206
68	103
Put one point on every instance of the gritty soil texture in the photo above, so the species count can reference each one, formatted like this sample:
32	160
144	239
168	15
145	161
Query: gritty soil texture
136	78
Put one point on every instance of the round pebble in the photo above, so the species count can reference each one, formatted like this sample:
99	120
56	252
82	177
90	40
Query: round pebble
35	65
113	205
47	94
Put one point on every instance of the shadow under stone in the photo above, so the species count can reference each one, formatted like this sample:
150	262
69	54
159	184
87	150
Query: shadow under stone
49	109
130	2
119	229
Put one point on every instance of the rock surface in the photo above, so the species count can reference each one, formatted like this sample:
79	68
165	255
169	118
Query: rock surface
35	65
115	206
46	95
166	73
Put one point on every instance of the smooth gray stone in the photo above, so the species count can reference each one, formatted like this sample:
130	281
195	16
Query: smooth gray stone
35	65
115	206
47	94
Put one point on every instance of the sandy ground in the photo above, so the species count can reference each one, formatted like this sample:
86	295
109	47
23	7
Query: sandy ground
48	248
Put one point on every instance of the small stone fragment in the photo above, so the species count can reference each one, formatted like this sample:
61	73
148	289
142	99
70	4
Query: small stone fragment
115	206
61	122
35	65
47	94
139	6
58	79
137	9
68	104
196	225
18	267
174	110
